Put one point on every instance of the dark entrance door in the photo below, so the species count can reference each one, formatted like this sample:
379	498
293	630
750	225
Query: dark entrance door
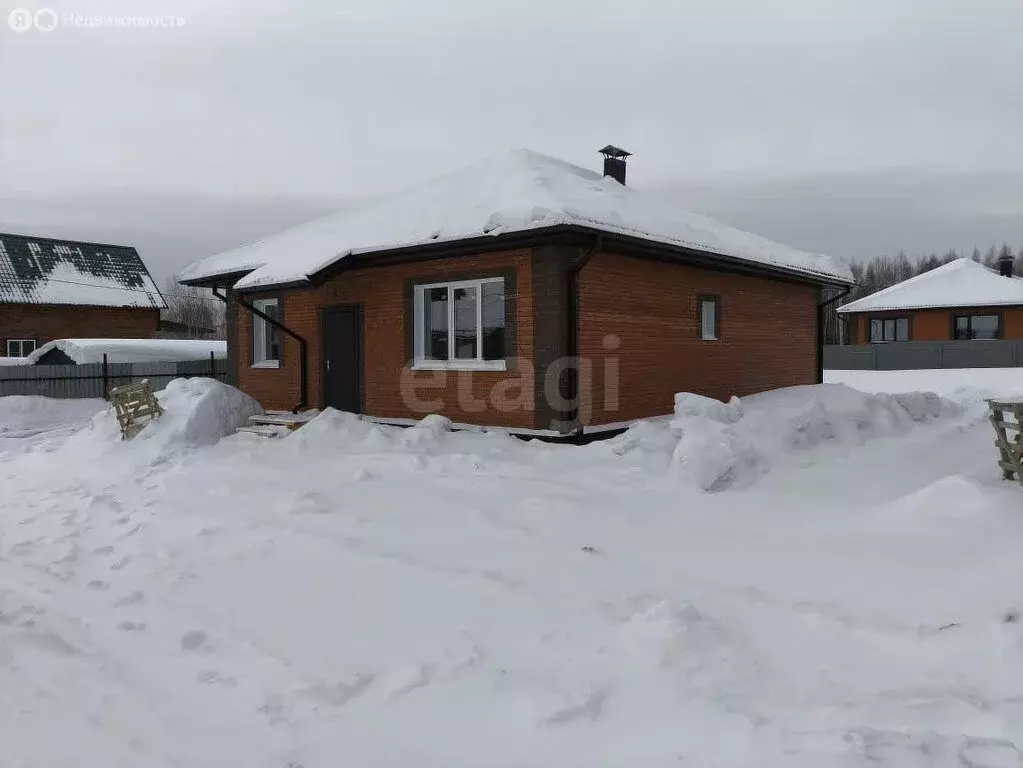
342	358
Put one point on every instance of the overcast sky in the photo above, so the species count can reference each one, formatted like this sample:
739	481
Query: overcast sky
851	127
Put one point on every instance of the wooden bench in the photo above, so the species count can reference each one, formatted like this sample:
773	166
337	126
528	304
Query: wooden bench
136	406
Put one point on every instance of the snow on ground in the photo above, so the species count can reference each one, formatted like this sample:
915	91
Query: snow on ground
960	383
23	416
355	594
84	351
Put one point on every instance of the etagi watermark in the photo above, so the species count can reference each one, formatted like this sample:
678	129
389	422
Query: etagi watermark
46	20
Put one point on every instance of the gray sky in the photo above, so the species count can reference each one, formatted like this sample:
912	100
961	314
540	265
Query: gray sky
852	127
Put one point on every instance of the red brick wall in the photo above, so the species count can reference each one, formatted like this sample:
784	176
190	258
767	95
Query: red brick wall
381	292
48	322
767	335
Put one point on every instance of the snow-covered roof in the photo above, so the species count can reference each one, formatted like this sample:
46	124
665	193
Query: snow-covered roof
84	351
517	191
37	270
960	283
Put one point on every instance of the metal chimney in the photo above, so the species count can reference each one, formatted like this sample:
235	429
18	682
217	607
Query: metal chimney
1005	265
614	162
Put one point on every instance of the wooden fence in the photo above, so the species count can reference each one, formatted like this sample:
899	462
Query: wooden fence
96	379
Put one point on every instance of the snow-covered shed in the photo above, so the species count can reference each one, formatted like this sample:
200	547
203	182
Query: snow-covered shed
523	292
50	289
961	300
85	351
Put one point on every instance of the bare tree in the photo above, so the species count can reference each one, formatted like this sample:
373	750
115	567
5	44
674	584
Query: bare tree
197	309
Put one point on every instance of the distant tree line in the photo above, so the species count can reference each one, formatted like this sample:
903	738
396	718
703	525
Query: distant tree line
880	272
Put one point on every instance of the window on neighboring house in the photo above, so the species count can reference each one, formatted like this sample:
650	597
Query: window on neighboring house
976	327
460	324
20	347
266	344
709	310
889	329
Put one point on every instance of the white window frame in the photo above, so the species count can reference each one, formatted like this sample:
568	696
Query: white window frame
709	334
21	342
259	331
421	363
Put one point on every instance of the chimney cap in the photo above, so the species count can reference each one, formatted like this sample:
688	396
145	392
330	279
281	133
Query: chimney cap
612	151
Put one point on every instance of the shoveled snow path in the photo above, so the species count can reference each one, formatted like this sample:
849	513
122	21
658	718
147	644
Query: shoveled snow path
254	604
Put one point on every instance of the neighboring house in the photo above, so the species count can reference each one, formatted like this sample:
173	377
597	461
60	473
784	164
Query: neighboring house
960	300
472	294
86	351
52	289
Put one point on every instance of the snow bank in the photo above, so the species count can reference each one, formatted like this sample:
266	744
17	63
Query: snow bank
334	430
13	361
84	351
197	412
966	386
717	445
690	404
797	418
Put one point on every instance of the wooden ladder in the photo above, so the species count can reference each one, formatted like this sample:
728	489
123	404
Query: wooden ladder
1007	435
135	405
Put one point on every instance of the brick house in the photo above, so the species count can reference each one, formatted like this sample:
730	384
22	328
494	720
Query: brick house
523	293
961	300
54	289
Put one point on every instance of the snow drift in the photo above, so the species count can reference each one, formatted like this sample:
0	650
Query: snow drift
197	412
716	445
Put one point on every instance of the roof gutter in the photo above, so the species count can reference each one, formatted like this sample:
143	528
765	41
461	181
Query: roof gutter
303	371
820	329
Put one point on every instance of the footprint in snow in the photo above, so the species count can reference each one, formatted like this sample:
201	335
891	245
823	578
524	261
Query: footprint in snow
213	677
589	709
130	599
98	585
132	626
191	641
120	564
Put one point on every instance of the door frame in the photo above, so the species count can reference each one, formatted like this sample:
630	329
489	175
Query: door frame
360	348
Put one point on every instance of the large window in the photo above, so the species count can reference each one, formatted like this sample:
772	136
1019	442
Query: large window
976	327
20	347
889	329
266	345
460	324
709	307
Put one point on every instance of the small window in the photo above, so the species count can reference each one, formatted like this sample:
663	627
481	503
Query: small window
977	327
20	347
889	329
708	318
460	324
266	346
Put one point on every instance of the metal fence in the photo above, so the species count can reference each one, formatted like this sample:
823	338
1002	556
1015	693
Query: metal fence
915	355
96	379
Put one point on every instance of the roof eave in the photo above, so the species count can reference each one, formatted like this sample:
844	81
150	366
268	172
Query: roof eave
579	233
850	309
219	280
